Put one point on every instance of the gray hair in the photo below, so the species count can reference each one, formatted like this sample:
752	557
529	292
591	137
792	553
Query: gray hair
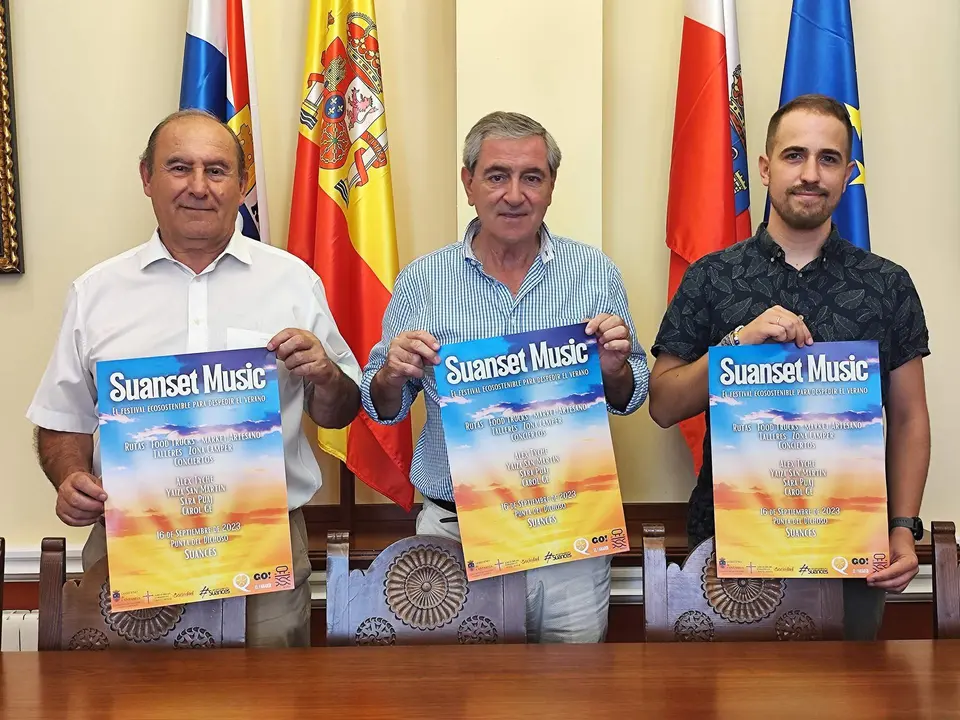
507	125
148	154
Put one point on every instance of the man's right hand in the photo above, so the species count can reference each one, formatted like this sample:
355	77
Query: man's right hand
779	325
405	357
80	499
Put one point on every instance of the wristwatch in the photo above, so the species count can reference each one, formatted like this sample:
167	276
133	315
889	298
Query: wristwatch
914	524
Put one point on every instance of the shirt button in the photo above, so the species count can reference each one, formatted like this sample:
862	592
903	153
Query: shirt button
771	259
800	274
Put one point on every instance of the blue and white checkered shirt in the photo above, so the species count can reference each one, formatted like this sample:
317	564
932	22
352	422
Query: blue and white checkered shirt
448	294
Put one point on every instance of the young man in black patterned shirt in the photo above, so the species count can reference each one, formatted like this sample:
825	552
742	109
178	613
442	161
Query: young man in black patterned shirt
796	280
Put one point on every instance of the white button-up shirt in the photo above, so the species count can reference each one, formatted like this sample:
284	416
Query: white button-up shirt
144	303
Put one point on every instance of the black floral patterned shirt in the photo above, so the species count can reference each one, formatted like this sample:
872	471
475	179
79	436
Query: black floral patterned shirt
845	294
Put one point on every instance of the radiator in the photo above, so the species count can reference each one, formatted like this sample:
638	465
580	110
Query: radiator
19	630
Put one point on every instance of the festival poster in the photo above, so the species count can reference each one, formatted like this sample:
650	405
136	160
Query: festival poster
528	439
799	478
192	464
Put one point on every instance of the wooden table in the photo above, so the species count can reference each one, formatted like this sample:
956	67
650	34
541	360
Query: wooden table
814	681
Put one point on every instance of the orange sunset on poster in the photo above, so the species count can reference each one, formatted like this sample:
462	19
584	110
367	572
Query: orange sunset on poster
799	477
192	462
530	452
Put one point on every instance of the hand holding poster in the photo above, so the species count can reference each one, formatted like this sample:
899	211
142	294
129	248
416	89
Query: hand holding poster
528	440
799	475
192	463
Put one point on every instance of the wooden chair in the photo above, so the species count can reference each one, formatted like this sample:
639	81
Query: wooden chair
77	616
416	592
3	579
946	581
689	603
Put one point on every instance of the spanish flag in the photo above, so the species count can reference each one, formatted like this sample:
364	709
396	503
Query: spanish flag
341	219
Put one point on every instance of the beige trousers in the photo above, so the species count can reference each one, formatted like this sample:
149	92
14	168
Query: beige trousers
277	619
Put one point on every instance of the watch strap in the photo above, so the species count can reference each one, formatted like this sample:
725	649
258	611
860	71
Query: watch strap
913	524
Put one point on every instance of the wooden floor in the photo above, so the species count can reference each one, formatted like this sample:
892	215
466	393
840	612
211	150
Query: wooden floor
813	681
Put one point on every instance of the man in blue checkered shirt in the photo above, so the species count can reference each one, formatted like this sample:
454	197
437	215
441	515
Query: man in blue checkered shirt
508	275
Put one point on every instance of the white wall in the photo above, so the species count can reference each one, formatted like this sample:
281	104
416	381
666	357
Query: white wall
87	96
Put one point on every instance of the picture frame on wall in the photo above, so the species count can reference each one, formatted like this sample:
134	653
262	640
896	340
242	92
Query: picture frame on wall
11	247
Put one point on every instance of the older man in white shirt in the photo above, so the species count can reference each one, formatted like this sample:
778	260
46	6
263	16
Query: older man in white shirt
197	285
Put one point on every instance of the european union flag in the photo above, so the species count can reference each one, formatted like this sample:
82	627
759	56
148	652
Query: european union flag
820	59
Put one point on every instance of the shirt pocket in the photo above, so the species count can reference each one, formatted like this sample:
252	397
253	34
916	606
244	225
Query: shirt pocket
243	338
238	338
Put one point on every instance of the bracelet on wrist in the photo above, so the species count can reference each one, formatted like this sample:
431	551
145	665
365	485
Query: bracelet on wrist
732	337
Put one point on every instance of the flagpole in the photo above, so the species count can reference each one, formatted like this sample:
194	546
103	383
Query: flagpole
263	217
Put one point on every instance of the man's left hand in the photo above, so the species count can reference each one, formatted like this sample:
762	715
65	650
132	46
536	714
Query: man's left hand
903	563
303	355
613	341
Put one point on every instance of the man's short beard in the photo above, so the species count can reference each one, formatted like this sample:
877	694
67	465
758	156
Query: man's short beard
802	221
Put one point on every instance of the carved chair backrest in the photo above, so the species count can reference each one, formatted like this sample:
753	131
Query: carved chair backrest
416	592
77	616
690	603
946	581
3	563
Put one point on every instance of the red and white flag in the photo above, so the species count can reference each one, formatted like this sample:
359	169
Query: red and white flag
708	206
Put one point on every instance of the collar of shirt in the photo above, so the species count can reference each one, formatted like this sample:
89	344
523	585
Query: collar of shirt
546	242
155	250
831	249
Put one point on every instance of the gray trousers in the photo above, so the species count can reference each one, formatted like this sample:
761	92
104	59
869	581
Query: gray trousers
566	603
862	610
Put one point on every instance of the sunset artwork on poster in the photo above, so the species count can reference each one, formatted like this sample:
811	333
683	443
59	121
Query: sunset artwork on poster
531	456
192	463
799	476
